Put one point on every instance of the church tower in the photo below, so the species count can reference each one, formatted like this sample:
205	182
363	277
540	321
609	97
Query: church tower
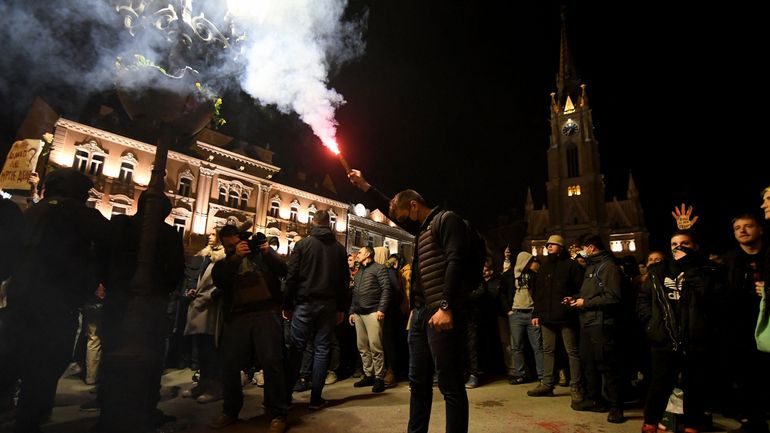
575	186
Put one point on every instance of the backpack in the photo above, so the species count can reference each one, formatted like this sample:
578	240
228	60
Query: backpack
473	268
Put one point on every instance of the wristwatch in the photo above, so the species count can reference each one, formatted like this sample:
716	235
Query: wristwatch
444	305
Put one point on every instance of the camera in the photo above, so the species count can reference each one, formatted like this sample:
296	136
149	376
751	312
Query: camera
254	240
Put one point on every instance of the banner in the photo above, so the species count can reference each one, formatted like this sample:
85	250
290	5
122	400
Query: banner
20	163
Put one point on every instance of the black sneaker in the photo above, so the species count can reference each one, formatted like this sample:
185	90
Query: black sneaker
379	386
302	385
317	405
364	381
588	405
517	380
616	416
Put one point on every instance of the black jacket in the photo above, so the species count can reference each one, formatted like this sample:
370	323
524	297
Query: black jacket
229	278
601	291
557	278
372	290
318	270
689	323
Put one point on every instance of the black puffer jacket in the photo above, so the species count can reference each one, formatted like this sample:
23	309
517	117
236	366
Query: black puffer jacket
371	291
557	278
687	324
601	291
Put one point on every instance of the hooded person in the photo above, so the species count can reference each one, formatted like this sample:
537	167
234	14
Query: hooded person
519	296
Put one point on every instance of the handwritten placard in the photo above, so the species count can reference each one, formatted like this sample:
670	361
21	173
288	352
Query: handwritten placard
20	163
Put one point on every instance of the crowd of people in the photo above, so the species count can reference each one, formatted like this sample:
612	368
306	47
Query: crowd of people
610	330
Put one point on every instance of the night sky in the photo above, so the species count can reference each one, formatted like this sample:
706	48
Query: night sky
452	99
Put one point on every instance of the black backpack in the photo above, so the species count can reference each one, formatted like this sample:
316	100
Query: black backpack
473	268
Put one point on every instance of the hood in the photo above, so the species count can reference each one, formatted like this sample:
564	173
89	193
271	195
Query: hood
323	233
522	261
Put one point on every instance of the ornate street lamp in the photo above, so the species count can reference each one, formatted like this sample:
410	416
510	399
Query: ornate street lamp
163	94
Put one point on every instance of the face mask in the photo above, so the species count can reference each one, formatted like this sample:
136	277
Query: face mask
583	254
274	247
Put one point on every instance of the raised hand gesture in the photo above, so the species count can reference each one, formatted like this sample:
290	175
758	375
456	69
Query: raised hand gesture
683	217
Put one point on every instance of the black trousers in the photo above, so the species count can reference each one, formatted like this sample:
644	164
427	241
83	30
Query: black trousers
666	367
601	361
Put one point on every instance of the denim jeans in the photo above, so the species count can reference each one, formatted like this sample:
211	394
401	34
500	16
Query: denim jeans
521	323
312	321
444	350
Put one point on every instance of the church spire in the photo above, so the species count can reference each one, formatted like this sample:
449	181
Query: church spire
632	191
567	83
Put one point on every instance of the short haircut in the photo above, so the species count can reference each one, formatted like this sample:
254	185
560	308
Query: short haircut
321	218
765	191
367	249
592	239
745	216
402	199
687	232
228	231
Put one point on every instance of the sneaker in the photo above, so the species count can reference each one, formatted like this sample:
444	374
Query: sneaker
196	376
541	390
649	428
517	380
277	425
302	385
223	421
331	377
576	394
616	416
589	406
473	382
259	379
364	381
317	405
91	406
379	386
209	397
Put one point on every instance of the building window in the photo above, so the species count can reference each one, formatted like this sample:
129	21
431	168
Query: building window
244	200
233	202
333	222
185	186
97	164
357	239
118	210
126	172
632	245
573	162
81	161
534	250
274	208
179	224
293	213
222	196
616	246
573	190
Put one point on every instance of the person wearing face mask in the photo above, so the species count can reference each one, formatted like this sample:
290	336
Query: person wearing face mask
678	306
441	282
599	306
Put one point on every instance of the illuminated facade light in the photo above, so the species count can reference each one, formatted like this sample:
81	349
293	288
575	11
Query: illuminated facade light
632	245
534	250
616	246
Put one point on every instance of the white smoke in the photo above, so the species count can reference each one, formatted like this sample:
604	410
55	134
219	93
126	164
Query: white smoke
287	53
289	47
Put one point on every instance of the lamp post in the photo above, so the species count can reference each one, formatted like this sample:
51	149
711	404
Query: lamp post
163	96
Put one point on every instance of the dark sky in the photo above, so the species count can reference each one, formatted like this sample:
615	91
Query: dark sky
451	99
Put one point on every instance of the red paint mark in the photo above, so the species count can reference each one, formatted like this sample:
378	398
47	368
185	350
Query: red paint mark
550	426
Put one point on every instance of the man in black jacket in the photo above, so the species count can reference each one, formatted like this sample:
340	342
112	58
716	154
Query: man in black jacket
371	295
441	283
251	290
559	277
316	299
598	303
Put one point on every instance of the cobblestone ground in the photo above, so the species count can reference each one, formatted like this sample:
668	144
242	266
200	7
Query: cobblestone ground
495	407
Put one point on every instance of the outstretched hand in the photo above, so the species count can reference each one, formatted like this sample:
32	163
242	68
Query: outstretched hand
357	179
683	217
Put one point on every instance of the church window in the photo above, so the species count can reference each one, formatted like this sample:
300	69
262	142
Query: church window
573	161
616	246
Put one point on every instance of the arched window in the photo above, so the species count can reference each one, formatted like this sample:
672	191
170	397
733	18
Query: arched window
233	202
81	160
126	172
573	161
179	225
293	211
333	222
185	186
275	207
244	200
97	164
222	196
311	210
